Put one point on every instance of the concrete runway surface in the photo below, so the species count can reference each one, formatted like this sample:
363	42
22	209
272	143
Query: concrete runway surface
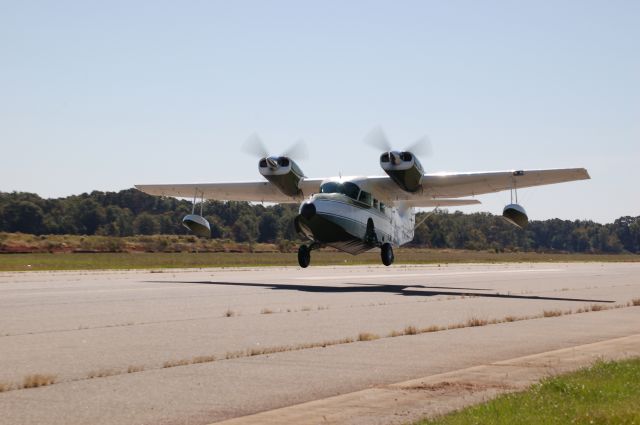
107	336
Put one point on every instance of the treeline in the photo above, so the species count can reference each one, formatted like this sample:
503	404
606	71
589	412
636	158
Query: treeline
131	212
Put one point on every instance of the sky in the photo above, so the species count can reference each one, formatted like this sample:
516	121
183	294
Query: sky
104	95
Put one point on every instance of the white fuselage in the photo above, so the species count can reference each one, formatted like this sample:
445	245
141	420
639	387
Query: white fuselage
353	220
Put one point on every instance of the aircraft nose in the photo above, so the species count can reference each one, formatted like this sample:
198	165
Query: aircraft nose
308	210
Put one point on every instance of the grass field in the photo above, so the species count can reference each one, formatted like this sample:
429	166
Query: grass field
159	260
606	393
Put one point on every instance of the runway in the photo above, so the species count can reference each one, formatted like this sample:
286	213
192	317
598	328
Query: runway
177	347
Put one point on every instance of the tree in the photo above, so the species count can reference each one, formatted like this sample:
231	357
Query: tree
268	228
245	229
22	216
145	224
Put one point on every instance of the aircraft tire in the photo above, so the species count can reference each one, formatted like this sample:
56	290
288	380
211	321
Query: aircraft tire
386	253
304	256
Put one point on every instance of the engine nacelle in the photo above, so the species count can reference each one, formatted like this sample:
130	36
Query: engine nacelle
283	173
198	225
404	169
516	215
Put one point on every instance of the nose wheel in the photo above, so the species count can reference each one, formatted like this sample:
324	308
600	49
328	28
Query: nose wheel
304	256
386	254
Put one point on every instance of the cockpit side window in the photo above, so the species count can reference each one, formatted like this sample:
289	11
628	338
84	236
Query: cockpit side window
365	197
350	189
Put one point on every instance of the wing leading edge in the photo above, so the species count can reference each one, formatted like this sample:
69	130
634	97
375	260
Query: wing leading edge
261	191
457	185
437	189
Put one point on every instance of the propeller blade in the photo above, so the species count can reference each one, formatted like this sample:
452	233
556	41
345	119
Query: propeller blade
421	147
298	150
255	147
378	139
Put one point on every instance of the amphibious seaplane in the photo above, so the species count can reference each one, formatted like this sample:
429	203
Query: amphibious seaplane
357	214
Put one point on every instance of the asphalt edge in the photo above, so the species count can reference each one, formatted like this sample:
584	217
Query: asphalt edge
438	394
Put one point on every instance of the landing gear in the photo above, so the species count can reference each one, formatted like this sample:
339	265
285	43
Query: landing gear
386	253
304	256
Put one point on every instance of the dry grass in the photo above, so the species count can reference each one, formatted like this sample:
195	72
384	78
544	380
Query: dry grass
475	321
458	325
305	308
597	307
510	318
394	334
4	387
367	336
266	311
635	302
233	354
229	313
175	363
203	359
134	369
551	313
102	373
38	380
410	330
432	328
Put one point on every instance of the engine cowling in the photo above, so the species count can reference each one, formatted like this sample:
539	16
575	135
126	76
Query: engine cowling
404	169
283	172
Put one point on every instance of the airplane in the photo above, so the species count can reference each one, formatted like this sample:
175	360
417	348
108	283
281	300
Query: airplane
357	214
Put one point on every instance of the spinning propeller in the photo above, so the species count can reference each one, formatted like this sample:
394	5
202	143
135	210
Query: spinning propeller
255	146
378	139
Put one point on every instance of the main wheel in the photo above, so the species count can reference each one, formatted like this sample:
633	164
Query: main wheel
386	253
304	256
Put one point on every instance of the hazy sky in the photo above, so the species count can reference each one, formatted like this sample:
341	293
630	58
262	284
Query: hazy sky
106	94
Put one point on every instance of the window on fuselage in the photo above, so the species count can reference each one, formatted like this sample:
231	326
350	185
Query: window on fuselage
346	188
365	197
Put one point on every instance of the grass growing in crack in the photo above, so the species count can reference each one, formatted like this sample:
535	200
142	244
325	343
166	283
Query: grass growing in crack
410	330
476	321
38	380
233	354
229	313
266	311
175	363
367	336
635	302
134	369
432	328
4	387
203	359
551	313
102	373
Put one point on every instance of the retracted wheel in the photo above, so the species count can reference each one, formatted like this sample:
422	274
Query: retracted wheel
304	256
386	253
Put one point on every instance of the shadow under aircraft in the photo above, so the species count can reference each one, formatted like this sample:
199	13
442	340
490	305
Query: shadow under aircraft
407	290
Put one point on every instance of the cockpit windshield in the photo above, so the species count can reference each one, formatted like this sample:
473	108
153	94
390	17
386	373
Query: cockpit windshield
346	188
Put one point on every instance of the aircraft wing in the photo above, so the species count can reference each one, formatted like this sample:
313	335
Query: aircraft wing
457	185
259	191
